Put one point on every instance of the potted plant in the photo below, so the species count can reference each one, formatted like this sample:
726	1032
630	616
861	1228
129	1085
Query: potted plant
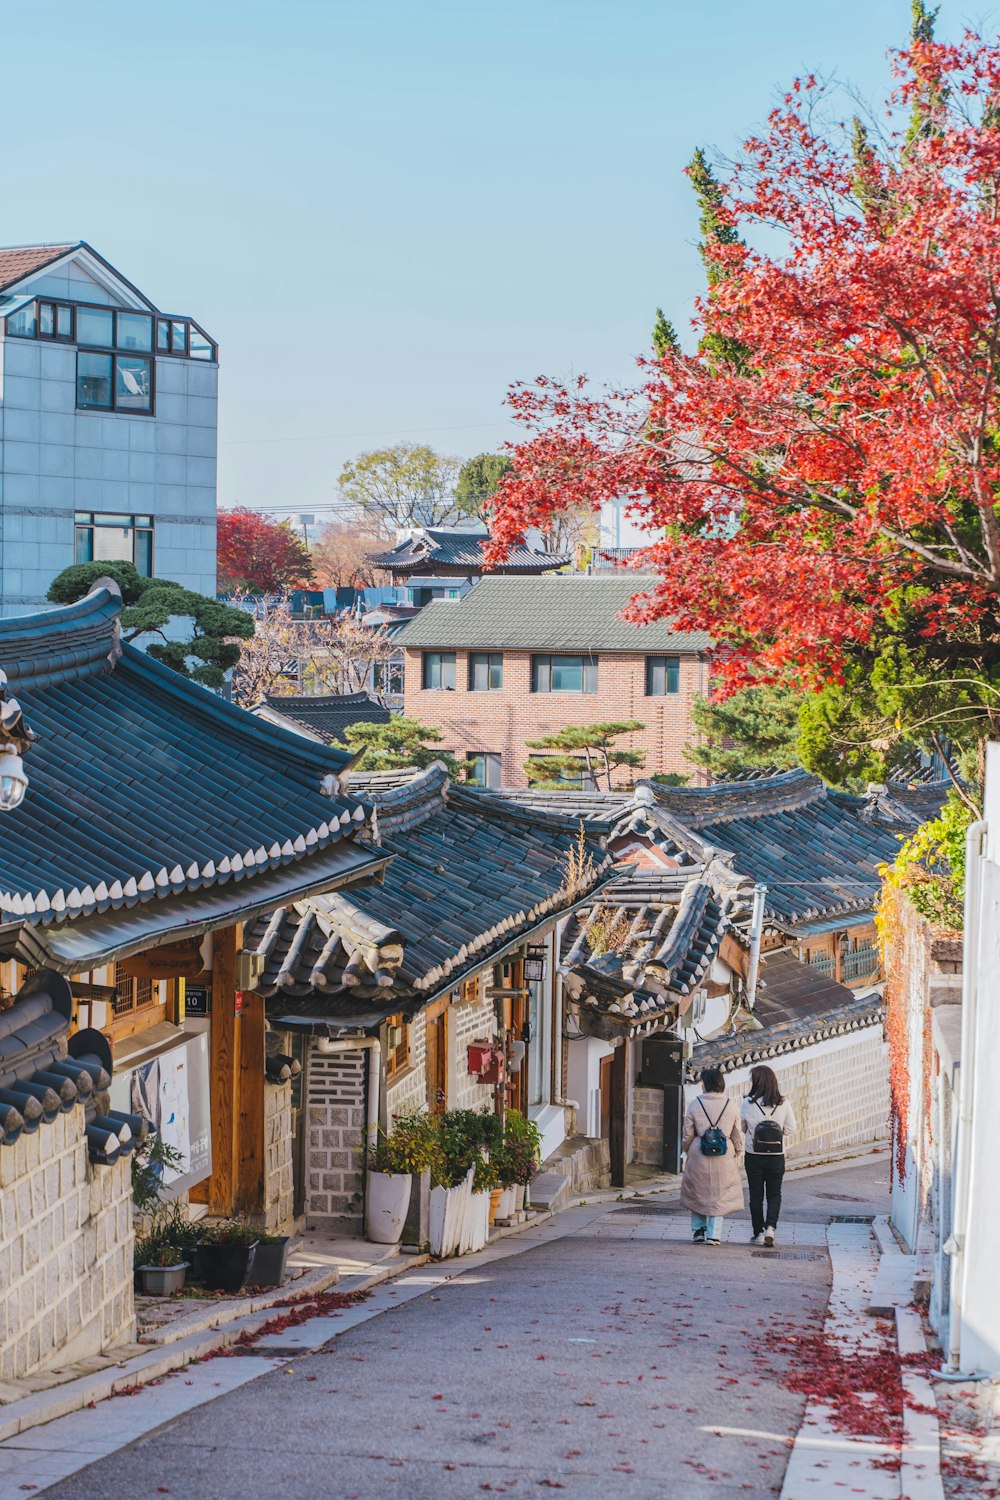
269	1263
487	1180
409	1148
226	1254
522	1154
162	1273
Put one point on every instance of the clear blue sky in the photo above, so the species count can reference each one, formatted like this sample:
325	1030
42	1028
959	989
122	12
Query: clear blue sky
386	211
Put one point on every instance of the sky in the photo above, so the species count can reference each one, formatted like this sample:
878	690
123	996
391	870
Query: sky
386	212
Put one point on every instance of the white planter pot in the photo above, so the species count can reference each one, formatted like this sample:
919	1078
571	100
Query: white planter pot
386	1202
506	1205
519	1199
448	1212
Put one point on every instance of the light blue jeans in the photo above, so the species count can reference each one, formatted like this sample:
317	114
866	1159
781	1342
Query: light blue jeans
711	1223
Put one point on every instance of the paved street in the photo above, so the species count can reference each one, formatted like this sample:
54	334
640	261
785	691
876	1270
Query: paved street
615	1358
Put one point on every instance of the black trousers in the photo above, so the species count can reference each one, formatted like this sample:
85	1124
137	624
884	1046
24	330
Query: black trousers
764	1176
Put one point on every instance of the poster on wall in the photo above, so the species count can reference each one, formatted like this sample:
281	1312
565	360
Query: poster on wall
170	1090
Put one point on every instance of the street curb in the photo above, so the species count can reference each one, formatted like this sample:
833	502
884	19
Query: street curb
920	1456
221	1313
163	1358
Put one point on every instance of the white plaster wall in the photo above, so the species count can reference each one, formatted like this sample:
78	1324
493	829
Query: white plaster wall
980	1323
583	1081
55	460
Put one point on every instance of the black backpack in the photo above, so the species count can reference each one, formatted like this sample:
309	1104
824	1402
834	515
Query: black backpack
713	1140
768	1137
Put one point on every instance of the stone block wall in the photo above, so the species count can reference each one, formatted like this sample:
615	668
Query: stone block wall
473	1021
278	1179
336	1089
839	1090
65	1250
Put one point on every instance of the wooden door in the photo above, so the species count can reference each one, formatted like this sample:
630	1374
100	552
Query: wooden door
517	1084
437	1055
606	1063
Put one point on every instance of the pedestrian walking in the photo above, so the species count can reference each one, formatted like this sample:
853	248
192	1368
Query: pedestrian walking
767	1119
713	1144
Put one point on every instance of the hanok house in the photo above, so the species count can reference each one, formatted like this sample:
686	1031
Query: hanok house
437	988
816	851
324	716
815	854
520	658
443	562
156	819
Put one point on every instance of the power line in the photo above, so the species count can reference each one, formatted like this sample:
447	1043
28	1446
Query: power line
326	437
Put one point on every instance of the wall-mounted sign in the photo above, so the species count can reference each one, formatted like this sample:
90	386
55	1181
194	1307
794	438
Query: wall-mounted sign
182	960
197	1000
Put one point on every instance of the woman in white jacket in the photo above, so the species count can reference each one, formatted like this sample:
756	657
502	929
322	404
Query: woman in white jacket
768	1119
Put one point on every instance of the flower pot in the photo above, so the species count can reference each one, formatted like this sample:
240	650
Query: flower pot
519	1198
223	1267
506	1203
386	1200
448	1214
268	1267
495	1196
162	1281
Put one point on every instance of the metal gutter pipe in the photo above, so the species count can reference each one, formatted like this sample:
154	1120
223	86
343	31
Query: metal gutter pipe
756	933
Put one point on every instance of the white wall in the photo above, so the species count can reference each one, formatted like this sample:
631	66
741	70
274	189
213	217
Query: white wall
980	1323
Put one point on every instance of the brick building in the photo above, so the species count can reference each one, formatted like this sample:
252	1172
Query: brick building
519	658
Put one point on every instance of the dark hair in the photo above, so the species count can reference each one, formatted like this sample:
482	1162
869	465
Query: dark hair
764	1087
713	1080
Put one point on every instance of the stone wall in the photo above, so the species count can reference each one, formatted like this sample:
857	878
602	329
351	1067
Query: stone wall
65	1250
408	1090
278	1181
474	1021
335	1124
838	1088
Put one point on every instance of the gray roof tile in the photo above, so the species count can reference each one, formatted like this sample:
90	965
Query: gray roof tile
566	612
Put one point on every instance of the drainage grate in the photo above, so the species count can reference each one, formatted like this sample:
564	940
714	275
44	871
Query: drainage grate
852	1218
791	1254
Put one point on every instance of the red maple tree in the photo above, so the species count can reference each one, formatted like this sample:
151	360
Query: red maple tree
259	555
826	467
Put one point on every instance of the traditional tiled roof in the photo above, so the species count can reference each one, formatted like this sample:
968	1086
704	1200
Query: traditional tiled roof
567	612
153	806
665	932
39	1080
796	1006
468	880
370	783
18	261
324	717
448	552
818	851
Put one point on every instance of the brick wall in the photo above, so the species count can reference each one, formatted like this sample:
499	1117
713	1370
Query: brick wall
475	1021
839	1090
335	1124
65	1250
501	721
278	1191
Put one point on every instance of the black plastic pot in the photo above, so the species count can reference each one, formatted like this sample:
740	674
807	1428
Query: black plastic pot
225	1268
268	1267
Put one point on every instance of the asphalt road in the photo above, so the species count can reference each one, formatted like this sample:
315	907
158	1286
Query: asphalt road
615	1361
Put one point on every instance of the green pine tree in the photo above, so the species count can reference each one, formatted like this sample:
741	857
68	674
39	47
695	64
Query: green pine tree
579	746
754	729
149	605
398	745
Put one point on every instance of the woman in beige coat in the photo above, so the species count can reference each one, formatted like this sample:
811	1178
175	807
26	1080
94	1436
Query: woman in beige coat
712	1185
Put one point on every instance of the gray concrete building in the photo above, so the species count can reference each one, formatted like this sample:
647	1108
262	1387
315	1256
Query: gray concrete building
108	418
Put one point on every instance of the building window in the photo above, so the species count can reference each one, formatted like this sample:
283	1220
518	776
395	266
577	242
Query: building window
114	382
553	769
485	672
484	768
663	676
96	327
397	1046
469	991
564	674
108	538
439	670
387	678
132	994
